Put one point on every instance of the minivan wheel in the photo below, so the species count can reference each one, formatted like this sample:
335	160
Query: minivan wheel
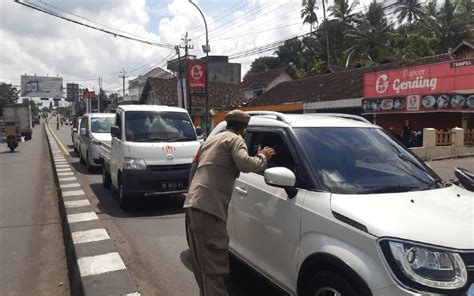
88	164
329	283
122	195
81	159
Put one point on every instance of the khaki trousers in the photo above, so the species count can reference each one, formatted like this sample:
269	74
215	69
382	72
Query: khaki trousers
208	249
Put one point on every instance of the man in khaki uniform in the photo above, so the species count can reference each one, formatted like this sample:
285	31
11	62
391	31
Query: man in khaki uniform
215	168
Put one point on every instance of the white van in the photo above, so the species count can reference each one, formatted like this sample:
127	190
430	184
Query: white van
94	129
151	152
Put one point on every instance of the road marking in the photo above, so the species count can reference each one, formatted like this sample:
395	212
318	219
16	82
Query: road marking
60	160
81	217
65	174
64	170
88	236
77	203
69	185
67	179
57	141
133	294
73	193
100	264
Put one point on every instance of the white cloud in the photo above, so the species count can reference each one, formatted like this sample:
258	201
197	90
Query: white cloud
34	42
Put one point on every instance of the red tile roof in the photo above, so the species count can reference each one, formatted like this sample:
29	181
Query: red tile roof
334	86
260	80
222	96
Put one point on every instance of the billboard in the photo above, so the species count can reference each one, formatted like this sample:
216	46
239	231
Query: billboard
197	77
442	87
41	86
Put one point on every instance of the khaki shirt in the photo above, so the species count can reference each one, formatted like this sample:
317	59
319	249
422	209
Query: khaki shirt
221	159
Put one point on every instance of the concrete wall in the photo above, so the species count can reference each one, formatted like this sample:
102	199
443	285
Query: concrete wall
431	151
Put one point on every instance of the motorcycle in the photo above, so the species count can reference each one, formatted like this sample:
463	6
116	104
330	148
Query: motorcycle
12	142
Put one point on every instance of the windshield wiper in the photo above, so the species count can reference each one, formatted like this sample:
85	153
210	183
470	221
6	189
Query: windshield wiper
390	189
180	139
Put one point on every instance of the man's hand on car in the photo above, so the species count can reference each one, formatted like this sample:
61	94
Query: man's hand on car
266	151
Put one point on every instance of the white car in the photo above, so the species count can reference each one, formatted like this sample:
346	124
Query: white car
75	136
94	129
343	209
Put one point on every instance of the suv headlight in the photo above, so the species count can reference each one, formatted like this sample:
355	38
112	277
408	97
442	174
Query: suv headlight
415	265
134	164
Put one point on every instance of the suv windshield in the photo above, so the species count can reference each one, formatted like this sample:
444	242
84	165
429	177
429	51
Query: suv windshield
364	160
150	126
101	124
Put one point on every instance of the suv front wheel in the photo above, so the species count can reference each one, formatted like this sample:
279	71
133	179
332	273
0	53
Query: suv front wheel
328	283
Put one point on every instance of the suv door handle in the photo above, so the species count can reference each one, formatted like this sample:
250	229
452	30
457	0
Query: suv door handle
241	191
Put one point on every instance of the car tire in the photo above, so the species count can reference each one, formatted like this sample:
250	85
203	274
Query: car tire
123	196
81	159
89	167
106	179
328	282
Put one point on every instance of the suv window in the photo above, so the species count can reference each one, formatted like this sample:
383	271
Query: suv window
363	160
282	158
101	124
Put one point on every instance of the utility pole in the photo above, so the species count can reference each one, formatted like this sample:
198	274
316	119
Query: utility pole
326	31
180	77
123	72
99	101
188	94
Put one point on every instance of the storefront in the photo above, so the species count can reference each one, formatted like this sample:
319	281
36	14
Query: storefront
437	95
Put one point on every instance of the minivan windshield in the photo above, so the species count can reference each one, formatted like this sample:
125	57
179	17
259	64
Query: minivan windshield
353	160
101	125
152	126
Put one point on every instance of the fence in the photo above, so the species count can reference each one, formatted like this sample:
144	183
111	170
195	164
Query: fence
444	138
469	137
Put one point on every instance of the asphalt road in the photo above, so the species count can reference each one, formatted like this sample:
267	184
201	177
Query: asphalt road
151	239
32	257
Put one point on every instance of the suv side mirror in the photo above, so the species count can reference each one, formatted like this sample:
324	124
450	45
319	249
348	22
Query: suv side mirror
74	130
283	178
83	132
198	131
115	131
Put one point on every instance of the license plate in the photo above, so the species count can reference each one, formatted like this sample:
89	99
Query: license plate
172	185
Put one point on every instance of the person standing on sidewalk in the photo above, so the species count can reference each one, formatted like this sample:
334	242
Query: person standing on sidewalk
216	166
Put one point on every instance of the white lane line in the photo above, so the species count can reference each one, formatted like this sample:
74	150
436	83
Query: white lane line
77	203
64	170
69	185
100	264
73	193
65	174
88	236
59	159
133	294
62	165
81	217
67	179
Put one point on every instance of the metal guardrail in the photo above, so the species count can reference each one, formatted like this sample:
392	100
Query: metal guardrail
444	138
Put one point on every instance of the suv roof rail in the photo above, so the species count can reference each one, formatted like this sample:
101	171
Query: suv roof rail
279	116
346	116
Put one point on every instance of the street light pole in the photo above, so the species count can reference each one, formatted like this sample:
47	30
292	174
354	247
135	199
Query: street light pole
206	49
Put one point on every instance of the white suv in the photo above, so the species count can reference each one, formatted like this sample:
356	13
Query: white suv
344	209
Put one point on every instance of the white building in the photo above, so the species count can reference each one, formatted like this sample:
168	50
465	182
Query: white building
135	86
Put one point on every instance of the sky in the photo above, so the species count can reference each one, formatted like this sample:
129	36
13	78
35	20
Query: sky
36	43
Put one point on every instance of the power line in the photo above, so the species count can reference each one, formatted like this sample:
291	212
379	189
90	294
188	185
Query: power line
115	34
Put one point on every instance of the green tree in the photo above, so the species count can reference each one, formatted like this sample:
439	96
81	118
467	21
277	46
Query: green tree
262	64
308	13
291	53
33	106
370	37
411	10
343	11
8	95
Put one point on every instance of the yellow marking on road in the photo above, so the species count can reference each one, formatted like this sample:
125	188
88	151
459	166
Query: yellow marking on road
66	152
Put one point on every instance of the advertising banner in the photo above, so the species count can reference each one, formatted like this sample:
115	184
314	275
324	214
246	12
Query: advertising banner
442	87
41	86
197	77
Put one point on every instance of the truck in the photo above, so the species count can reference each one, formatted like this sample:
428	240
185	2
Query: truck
22	114
150	154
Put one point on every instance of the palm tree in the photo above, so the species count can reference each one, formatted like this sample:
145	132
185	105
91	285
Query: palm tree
451	28
343	11
308	14
411	10
371	36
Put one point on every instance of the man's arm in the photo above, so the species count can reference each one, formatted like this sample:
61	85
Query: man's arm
246	163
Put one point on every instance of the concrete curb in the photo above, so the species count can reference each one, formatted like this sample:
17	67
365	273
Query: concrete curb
95	266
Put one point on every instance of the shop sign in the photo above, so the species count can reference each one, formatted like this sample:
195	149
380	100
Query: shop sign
447	86
197	77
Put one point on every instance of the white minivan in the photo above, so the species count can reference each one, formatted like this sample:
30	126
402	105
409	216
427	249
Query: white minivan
151	152
94	129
